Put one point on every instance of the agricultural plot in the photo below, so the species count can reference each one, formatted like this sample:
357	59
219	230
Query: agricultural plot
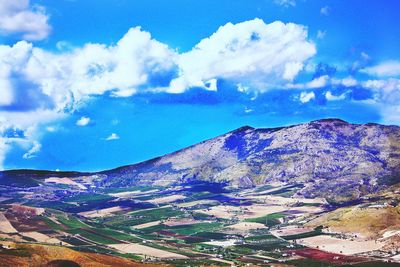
146	251
101	212
189	225
5	225
339	245
42	238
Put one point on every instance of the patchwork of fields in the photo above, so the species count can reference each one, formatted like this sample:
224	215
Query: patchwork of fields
188	226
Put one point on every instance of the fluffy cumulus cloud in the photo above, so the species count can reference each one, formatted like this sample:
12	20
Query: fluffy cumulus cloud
133	64
32	78
39	87
49	85
19	17
59	81
247	53
37	82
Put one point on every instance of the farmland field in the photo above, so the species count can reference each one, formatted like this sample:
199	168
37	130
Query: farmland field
181	227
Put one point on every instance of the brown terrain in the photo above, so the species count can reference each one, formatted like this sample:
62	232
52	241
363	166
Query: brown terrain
42	255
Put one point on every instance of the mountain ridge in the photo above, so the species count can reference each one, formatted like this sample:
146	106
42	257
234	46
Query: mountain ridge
71	173
235	163
328	156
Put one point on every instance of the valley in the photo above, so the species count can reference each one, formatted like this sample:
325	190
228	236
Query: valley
325	193
207	224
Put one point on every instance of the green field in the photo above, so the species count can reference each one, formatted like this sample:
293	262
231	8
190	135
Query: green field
269	220
94	234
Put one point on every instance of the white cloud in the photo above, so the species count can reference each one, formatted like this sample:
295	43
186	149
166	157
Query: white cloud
83	121
306	97
43	86
6	94
325	10
11	61
244	52
27	122
112	136
361	63
391	114
123	93
248	110
18	17
33	151
285	3
247	53
64	46
211	85
310	67
386	97
241	88
94	69
321	34
347	82
330	97
318	82
365	56
291	70
384	69
52	129
386	91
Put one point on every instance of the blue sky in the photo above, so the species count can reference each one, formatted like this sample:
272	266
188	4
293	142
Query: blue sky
91	85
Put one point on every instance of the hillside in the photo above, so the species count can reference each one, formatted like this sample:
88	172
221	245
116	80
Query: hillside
330	158
370	222
54	256
324	193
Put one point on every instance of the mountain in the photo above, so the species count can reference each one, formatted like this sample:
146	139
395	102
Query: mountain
330	158
320	193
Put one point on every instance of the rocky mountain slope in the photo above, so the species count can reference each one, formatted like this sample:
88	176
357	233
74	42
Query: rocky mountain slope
329	158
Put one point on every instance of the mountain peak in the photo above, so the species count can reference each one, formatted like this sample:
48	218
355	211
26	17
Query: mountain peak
244	128
330	120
